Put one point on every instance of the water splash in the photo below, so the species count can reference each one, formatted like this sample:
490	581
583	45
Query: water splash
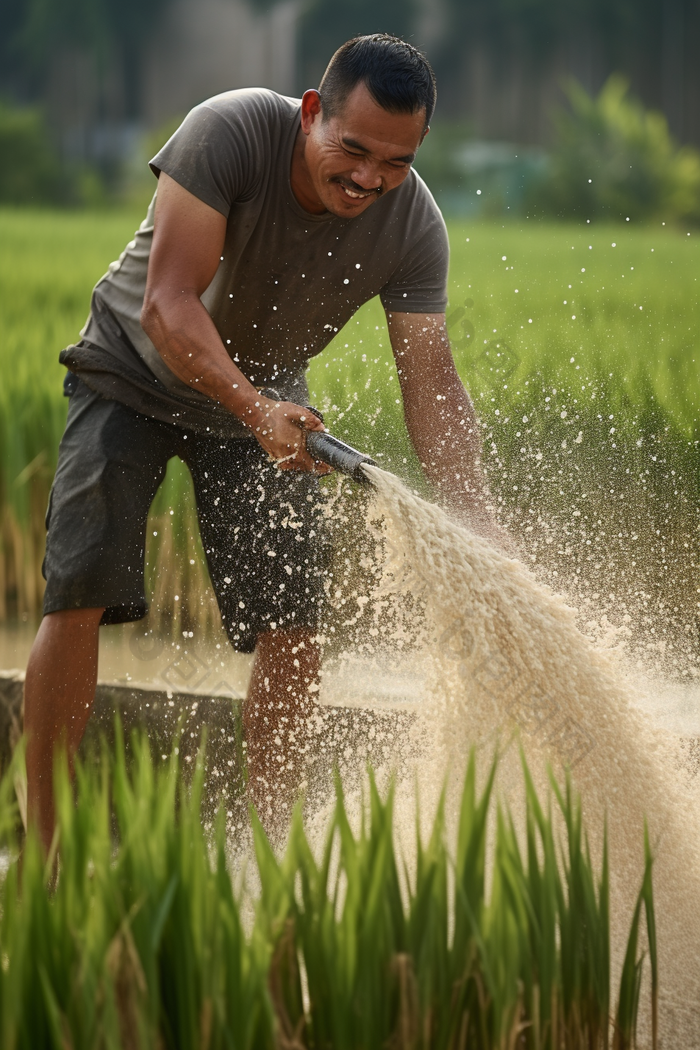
504	657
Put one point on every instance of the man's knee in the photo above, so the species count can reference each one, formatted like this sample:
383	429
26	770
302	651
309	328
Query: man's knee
66	631
62	619
298	644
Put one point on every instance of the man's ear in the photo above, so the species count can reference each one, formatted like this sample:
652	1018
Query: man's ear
310	109
424	134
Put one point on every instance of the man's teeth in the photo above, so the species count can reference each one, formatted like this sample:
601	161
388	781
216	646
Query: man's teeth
355	196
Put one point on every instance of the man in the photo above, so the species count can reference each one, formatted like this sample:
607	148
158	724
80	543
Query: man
274	220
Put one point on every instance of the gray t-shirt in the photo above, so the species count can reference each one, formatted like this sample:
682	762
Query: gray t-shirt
288	280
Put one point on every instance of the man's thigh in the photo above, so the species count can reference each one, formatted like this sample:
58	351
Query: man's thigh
263	536
110	464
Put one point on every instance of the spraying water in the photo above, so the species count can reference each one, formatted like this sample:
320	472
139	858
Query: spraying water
504	655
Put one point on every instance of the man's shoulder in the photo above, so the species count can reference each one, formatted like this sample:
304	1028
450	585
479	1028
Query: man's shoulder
259	104
413	193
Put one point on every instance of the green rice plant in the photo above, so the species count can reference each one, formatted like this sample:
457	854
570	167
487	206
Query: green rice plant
447	957
48	266
631	979
139	940
140	943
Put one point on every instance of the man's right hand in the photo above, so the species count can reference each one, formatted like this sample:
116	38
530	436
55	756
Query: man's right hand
279	427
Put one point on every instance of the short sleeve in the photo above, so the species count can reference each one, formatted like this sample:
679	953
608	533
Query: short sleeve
208	155
419	283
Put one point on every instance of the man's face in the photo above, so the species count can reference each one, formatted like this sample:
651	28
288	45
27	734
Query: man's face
359	154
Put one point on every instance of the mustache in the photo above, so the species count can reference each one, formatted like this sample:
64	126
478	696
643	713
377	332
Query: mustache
350	185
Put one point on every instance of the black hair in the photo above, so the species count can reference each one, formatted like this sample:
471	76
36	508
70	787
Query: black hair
398	77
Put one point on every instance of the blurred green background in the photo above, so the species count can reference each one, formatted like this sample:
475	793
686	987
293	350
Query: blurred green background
556	107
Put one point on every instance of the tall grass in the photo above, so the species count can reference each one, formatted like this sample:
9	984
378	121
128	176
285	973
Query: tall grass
501	941
611	381
48	265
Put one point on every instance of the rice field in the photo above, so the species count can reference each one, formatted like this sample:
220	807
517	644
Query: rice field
596	313
579	344
145	939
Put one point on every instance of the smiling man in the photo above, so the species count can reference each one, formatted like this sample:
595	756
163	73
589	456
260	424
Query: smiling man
275	219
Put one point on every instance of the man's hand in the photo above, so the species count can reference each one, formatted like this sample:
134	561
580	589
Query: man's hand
442	423
280	427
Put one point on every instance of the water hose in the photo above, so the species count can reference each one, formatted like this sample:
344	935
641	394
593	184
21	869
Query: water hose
322	445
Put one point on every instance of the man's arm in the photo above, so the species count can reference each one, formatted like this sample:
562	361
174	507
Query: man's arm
188	240
440	418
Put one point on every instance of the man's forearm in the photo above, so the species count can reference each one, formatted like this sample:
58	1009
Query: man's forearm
439	414
444	431
440	417
185	336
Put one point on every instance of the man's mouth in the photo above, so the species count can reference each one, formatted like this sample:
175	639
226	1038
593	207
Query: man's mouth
358	194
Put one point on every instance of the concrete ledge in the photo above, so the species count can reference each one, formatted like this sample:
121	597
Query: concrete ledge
352	735
11	720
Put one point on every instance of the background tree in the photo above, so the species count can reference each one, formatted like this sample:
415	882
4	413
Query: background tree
108	33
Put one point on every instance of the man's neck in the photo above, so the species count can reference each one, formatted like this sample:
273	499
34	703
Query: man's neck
302	186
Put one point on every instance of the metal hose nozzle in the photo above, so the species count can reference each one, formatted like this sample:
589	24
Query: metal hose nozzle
322	445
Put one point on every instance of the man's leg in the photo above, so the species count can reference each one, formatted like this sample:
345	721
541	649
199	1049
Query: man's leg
110	463
262	533
276	716
58	693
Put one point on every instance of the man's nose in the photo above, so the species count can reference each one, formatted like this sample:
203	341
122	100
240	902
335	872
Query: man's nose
367	176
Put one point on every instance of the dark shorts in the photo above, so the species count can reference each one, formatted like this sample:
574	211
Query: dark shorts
260	527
